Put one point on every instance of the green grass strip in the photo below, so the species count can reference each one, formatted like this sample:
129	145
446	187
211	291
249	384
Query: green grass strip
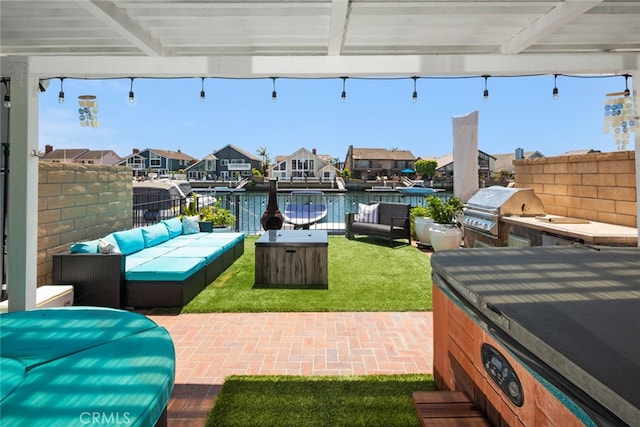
372	400
364	275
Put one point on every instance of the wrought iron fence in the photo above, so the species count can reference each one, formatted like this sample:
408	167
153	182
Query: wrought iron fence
248	208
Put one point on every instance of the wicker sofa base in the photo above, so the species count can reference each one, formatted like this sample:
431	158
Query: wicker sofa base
142	294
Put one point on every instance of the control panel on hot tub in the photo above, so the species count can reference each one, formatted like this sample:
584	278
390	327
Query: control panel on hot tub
502	374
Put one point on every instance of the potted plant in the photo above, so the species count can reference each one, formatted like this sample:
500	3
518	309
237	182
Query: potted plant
216	218
420	223
445	231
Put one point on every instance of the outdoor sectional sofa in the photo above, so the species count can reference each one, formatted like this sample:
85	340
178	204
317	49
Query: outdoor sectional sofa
153	266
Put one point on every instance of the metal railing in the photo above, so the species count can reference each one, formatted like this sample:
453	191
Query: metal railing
248	208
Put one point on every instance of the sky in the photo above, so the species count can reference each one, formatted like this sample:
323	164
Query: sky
309	113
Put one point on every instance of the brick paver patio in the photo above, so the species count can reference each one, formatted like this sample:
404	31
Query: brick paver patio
209	347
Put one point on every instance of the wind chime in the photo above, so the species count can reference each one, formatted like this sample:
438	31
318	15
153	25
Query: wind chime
88	111
620	115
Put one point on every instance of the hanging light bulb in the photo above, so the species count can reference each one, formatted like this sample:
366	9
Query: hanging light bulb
274	94
132	97
343	95
627	92
202	94
7	98
555	87
485	94
61	93
415	90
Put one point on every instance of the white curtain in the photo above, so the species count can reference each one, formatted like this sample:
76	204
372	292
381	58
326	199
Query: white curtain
465	155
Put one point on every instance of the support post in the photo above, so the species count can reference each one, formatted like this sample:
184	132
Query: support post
22	242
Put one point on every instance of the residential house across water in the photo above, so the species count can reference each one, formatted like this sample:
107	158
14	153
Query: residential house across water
304	165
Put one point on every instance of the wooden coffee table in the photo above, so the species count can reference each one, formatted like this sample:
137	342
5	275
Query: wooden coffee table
292	258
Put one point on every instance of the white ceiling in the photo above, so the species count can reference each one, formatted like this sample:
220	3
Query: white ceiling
308	38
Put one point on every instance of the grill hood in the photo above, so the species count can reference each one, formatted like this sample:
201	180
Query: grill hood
506	201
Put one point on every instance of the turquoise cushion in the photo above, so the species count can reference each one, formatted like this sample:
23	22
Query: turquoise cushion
174	226
132	262
90	247
183	240
166	269
153	252
154	234
209	253
129	241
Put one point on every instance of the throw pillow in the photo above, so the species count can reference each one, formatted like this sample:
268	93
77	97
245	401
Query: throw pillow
368	213
174	226
110	239
190	224
84	247
105	247
129	241
154	234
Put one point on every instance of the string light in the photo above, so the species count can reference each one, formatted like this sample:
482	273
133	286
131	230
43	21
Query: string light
485	94
132	97
61	93
7	97
626	86
343	95
274	94
415	90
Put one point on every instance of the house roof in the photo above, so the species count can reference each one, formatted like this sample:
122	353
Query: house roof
241	151
98	154
505	161
382	154
583	151
174	155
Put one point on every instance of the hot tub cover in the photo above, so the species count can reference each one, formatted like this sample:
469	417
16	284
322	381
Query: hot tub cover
81	365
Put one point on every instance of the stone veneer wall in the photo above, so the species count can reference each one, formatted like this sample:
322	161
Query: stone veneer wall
79	202
597	186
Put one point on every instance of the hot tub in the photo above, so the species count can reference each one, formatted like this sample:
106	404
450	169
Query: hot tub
541	335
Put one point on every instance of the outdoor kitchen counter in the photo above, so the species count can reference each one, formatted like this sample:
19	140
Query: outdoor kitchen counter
593	232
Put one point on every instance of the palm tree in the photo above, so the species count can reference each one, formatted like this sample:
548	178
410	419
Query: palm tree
262	152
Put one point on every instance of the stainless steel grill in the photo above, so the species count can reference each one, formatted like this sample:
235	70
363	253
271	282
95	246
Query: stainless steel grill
483	210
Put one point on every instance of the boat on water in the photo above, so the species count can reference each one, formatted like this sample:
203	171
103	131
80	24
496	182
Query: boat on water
306	207
418	191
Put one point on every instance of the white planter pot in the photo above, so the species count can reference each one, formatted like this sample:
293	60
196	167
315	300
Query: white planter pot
421	225
445	236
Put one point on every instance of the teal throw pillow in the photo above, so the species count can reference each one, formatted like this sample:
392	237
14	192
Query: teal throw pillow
174	226
129	241
154	235
90	247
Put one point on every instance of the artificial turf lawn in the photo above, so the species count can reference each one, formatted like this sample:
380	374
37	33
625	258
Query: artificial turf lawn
364	275
368	401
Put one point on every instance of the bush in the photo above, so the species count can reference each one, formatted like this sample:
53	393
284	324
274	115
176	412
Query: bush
443	212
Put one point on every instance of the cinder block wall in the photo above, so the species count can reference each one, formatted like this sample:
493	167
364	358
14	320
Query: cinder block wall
598	186
79	202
